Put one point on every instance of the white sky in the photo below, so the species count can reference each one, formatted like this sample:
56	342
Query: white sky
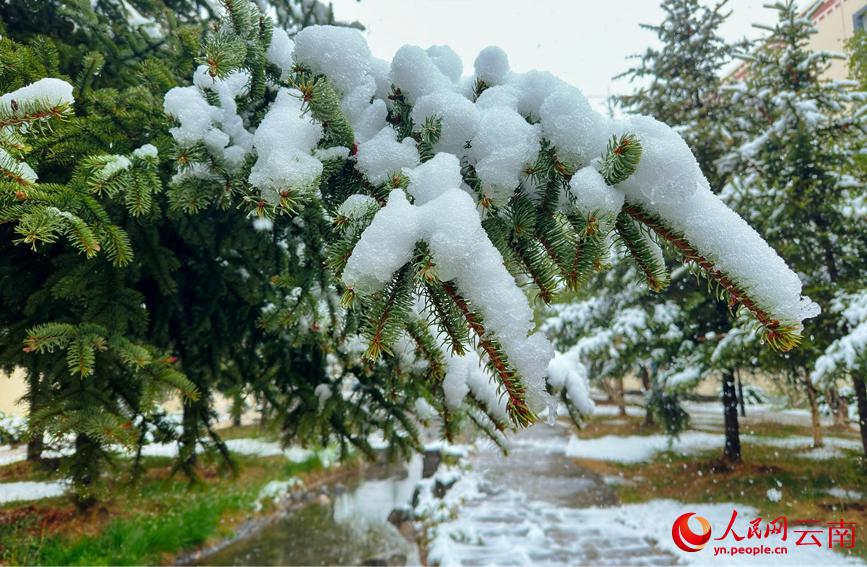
585	42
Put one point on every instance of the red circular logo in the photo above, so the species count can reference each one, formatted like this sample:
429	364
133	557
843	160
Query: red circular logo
685	538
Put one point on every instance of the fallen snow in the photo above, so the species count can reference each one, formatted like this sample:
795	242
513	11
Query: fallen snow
480	522
642	448
17	491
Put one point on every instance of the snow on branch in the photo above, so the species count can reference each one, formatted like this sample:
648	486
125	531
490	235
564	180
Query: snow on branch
485	180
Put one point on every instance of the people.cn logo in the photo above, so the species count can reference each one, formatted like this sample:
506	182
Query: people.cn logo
685	538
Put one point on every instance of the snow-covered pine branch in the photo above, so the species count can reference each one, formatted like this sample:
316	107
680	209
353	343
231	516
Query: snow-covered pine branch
480	180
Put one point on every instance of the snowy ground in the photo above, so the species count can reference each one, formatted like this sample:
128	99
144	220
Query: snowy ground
18	491
551	511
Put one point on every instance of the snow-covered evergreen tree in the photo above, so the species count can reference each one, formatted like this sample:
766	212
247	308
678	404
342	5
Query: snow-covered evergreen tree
441	190
679	82
795	176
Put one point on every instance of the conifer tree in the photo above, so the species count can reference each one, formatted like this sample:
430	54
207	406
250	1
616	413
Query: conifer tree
547	174
797	179
112	203
678	82
395	209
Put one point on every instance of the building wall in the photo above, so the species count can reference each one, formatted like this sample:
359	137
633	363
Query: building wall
835	24
11	390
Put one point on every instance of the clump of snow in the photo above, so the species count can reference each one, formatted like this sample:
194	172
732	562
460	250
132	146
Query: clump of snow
284	143
567	371
592	196
280	52
415	73
459	116
263	224
114	165
147	151
447	61
492	65
774	495
423	410
502	149
356	206
430	179
573	126
17	168
323	392
340	53
49	91
464	375
382	156
219	128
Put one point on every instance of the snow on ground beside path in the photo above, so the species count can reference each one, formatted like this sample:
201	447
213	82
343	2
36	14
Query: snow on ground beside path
10	455
251	447
613	411
16	491
642	448
639	448
482	523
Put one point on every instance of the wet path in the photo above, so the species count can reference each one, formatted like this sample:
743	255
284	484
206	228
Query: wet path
537	506
346	527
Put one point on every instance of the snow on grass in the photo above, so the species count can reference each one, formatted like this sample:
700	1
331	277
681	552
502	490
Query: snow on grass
250	447
479	522
641	448
10	455
844	494
17	491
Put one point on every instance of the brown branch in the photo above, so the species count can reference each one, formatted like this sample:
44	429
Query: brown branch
520	412
736	294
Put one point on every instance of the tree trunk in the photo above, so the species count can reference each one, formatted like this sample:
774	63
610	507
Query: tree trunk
189	438
861	395
621	397
839	408
741	393
644	374
814	414
237	406
35	442
730	415
84	471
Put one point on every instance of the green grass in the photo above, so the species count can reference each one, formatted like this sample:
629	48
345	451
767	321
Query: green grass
145	523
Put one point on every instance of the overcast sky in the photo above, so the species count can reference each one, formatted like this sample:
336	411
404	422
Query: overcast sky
585	42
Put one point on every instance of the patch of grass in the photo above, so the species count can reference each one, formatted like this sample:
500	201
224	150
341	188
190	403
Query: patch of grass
616	425
147	522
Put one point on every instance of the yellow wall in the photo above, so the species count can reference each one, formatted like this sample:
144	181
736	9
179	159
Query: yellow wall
833	28
11	390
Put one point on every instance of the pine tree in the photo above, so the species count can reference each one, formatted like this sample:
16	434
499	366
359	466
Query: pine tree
679	82
106	205
797	179
73	290
395	209
379	175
